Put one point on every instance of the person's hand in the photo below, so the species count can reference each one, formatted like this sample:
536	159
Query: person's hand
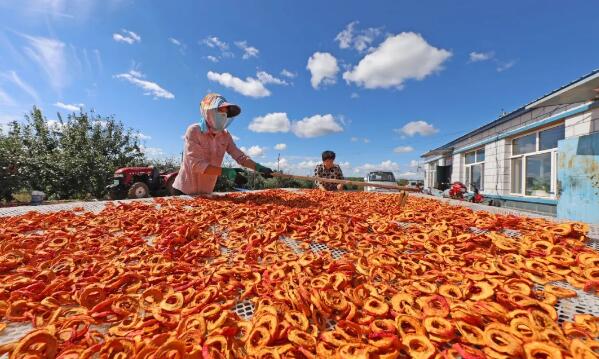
264	171
235	175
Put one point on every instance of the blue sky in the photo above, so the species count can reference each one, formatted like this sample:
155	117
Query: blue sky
379	84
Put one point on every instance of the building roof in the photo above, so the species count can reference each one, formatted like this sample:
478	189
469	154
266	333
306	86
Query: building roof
582	89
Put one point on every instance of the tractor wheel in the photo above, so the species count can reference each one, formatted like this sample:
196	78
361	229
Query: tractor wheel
138	190
170	191
116	195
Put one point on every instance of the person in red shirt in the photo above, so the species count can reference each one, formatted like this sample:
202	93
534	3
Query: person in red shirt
205	145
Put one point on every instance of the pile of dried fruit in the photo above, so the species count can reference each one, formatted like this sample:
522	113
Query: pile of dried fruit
145	281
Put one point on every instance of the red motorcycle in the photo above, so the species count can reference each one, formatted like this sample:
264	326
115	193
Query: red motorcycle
458	191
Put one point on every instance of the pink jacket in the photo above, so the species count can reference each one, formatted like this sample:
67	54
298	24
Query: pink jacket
202	150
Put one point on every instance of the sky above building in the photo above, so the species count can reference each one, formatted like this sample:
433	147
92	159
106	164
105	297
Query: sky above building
377	82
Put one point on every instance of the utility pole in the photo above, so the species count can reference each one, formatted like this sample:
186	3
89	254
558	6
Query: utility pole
278	160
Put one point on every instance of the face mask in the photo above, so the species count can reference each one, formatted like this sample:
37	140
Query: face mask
221	121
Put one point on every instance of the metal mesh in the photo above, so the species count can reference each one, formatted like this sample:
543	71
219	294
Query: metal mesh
511	233
291	243
478	231
583	303
318	247
245	309
92	206
331	324
226	251
14	332
404	225
593	243
150	239
337	253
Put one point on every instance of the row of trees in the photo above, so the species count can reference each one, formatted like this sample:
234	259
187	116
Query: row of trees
70	158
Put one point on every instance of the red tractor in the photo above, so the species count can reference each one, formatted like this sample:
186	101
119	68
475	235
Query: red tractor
140	182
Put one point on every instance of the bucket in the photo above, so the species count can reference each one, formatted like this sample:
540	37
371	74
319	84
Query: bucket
37	197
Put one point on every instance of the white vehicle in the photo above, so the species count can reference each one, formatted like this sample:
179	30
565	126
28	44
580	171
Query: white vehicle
379	177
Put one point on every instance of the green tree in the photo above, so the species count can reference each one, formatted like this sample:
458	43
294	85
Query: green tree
72	158
11	159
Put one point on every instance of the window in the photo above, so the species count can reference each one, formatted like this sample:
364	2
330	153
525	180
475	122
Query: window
533	162
524	144
475	169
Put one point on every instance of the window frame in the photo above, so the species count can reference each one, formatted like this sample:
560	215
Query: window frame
468	169
523	157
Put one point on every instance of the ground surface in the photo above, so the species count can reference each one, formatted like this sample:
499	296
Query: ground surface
295	274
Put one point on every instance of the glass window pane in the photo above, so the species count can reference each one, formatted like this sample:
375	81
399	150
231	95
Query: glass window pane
548	138
477	177
470	158
517	175
538	175
480	155
524	144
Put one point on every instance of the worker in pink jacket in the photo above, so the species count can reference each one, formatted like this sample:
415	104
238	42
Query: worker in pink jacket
205	145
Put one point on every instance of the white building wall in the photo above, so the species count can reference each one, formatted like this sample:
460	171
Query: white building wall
582	124
457	170
496	174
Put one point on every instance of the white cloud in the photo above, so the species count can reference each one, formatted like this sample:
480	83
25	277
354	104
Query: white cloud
403	149
387	165
248	51
397	59
55	125
506	66
69	107
413	128
5	121
310	164
215	42
314	126
13	77
267	78
179	44
481	56
126	36
254	151
409	175
323	67
354	95
360	39
272	122
150	88
50	56
5	99
356	139
152	152
235	138
317	125
280	146
143	136
249	87
414	163
288	73
212	58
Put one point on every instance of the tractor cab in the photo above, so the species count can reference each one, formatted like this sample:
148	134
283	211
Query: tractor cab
140	182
